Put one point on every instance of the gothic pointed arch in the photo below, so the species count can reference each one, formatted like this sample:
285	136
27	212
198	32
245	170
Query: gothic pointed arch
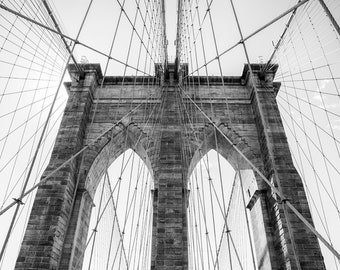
100	156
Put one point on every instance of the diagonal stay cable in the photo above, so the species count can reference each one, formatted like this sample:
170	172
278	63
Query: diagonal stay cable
121	235
330	16
225	225
57	27
278	44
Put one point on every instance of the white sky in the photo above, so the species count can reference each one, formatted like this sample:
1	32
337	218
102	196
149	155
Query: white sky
99	29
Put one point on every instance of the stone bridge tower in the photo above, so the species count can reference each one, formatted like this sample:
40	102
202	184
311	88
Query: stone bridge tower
58	225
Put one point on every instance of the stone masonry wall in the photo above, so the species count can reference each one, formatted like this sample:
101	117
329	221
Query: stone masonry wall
48	223
57	229
171	228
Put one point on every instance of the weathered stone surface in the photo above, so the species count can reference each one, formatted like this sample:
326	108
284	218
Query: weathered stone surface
248	117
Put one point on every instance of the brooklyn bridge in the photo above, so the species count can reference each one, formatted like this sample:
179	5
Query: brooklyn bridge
158	134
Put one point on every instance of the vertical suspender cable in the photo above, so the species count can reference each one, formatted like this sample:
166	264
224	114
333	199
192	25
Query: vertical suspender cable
95	228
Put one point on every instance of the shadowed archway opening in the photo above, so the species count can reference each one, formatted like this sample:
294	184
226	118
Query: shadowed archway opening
120	228
219	225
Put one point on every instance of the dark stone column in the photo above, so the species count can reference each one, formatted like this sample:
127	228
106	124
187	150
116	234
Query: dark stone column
279	168
76	237
43	242
171	236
